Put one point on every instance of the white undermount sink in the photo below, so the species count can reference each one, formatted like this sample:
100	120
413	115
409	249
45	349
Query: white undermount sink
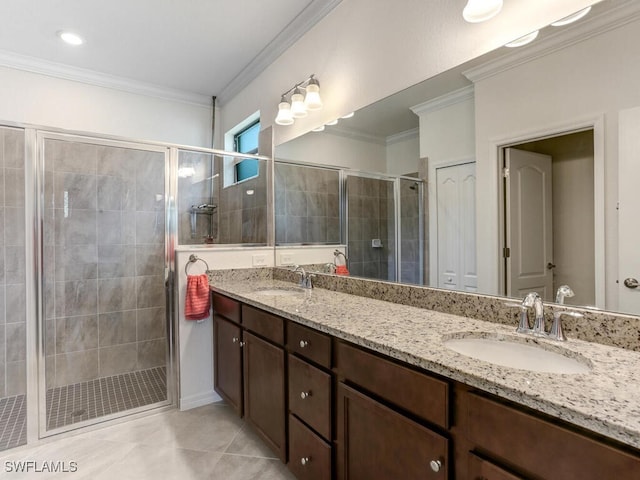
519	355
280	292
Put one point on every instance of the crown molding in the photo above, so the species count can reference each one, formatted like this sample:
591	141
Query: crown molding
443	101
403	136
628	11
91	77
285	39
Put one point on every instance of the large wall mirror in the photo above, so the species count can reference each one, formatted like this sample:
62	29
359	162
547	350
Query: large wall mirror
523	158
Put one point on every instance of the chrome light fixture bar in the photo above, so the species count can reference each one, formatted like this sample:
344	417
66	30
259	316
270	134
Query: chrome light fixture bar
298	105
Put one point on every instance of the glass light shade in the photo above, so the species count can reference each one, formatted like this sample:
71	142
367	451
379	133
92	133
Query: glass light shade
477	11
523	40
70	38
332	122
312	100
298	109
574	17
318	129
284	116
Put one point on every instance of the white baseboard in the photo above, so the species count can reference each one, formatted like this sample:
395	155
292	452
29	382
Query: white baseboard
193	401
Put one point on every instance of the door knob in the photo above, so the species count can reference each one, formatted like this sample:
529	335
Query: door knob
551	266
631	283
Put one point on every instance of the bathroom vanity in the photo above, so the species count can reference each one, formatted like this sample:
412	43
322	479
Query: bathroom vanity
348	387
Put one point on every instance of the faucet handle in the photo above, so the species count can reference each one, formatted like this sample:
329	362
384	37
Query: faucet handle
557	332
523	325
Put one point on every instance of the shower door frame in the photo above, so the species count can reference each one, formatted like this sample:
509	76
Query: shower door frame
395	180
34	217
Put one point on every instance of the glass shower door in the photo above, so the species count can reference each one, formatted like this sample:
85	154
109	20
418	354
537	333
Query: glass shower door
13	302
103	258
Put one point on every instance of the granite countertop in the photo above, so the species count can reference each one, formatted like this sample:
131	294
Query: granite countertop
605	400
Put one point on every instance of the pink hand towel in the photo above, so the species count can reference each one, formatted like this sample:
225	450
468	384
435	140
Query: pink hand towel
198	300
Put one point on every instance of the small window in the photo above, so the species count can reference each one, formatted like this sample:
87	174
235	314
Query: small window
246	141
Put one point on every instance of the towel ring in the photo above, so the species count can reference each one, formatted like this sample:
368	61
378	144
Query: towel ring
194	259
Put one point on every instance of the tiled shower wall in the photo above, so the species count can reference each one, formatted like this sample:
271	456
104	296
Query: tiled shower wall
12	264
104	232
196	189
307	204
242	208
410	238
371	216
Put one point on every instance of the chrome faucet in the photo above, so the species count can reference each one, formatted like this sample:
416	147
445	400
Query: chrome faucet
534	300
305	278
529	301
556	331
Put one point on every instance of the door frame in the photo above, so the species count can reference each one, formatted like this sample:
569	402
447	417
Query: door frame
34	210
496	153
433	166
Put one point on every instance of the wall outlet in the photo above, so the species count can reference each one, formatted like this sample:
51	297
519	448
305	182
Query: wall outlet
259	260
286	259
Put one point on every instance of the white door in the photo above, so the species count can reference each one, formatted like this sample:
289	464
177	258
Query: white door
456	227
629	206
529	226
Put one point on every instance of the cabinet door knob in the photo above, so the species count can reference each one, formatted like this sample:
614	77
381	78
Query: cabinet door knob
304	395
235	339
305	460
241	344
435	465
303	343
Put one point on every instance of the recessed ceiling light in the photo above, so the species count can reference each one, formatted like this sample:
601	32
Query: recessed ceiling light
70	37
523	40
572	18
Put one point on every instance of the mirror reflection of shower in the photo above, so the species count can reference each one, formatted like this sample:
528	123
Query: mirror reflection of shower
204	209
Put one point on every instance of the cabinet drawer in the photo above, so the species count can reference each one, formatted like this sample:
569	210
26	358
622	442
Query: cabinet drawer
416	392
310	344
310	395
375	442
309	455
524	441
264	324
480	469
226	307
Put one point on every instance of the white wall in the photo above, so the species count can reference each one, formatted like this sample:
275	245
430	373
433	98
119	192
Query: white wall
195	340
365	50
37	99
403	154
593	79
326	148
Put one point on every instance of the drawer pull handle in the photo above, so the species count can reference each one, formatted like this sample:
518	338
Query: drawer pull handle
303	343
304	395
435	465
305	460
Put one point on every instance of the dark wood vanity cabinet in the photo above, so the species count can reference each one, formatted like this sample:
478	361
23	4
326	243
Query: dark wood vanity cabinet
387	419
249	368
336	410
227	351
531	446
310	403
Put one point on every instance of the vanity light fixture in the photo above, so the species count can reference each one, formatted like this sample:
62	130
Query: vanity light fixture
477	11
318	129
348	115
574	17
332	122
70	37
298	105
528	38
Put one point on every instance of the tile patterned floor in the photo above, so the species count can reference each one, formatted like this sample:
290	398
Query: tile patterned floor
207	443
13	424
103	396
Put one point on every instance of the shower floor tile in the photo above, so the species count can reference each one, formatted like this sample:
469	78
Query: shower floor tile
104	396
13	422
